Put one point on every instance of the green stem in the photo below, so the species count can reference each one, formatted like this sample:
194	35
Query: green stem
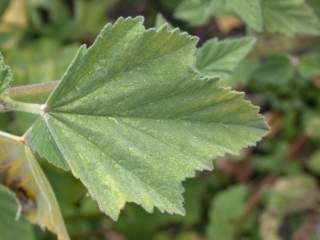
8	104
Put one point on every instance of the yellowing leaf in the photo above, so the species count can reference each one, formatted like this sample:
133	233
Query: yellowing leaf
21	173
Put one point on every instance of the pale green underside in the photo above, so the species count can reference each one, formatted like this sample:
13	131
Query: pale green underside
132	119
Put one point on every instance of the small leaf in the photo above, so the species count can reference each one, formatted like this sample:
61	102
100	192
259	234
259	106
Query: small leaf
309	64
289	17
132	119
10	227
226	210
220	58
21	172
276	71
5	75
196	12
249	11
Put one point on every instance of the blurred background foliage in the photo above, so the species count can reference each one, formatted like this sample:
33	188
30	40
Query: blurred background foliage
269	192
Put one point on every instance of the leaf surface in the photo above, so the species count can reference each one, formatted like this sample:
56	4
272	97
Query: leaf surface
132	119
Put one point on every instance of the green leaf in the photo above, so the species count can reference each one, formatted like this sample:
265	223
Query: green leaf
249	11
21	172
5	75
289	17
10	227
196	12
132	119
220	58
226	210
275	72
309	64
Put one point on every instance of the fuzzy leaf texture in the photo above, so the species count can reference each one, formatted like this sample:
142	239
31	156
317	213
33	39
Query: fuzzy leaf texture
5	75
132	118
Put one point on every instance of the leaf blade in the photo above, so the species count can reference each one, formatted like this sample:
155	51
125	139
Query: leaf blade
158	118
